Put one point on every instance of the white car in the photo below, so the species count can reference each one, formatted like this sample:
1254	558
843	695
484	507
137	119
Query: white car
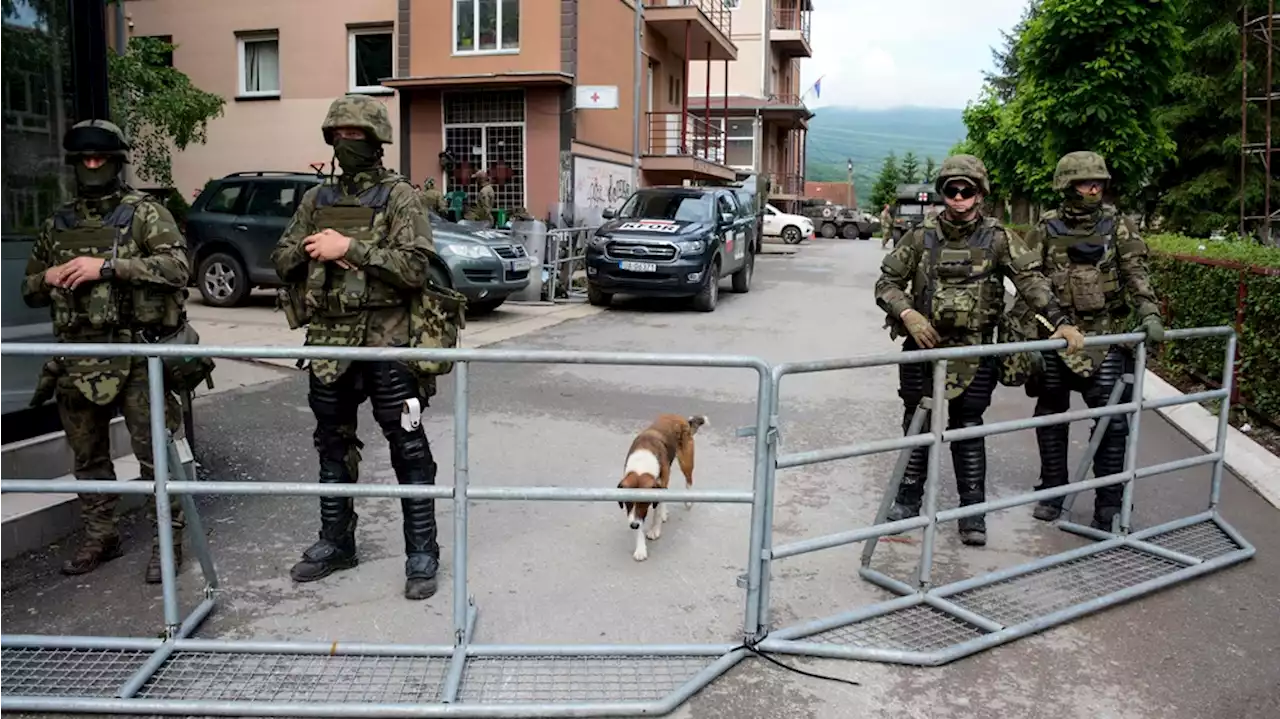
791	228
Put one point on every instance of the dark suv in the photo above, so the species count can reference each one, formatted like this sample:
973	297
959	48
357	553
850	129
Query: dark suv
234	225
674	242
237	221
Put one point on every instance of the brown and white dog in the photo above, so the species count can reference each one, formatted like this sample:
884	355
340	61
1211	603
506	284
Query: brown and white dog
669	439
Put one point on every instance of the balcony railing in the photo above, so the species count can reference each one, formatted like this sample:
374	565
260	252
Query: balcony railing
787	98
677	134
716	11
789	16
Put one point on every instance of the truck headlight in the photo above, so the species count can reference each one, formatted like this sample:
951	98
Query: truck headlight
474	252
597	242
691	247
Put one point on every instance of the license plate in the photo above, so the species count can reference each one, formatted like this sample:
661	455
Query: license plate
638	266
523	263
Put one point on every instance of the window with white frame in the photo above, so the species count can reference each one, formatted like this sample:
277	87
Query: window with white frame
485	130
259	64
369	58
739	141
481	26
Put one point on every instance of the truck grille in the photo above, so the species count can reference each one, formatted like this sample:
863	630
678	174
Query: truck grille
510	252
625	250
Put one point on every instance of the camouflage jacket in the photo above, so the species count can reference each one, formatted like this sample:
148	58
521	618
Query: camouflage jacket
433	200
390	259
148	289
1124	290
907	266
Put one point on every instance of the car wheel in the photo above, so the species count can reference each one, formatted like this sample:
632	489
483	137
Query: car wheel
709	295
742	278
828	230
485	307
849	231
791	235
223	280
597	297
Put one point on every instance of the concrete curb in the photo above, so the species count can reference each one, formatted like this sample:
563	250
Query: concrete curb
1256	467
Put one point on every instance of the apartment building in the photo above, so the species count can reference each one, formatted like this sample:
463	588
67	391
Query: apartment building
278	64
540	95
765	118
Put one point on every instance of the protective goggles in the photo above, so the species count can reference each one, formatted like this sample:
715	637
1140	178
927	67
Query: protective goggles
959	190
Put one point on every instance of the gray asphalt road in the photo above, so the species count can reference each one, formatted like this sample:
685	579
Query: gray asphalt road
563	572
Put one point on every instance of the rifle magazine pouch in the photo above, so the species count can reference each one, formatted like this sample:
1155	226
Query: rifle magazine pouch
436	317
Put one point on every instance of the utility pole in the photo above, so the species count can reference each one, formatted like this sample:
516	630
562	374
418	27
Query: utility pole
635	100
852	200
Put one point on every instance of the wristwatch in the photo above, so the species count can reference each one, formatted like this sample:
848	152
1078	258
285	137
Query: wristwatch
108	270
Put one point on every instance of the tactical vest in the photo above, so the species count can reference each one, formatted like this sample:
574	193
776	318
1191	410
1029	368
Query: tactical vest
958	288
104	306
1083	266
331	289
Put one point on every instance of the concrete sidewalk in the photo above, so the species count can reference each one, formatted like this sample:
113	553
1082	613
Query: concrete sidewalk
260	324
37	520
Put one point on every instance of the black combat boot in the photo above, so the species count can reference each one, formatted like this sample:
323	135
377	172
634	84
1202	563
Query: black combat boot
970	459
92	553
1052	443
422	553
906	503
153	565
336	547
1109	460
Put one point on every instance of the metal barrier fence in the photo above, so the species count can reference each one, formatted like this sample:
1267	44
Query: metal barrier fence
927	625
566	255
931	625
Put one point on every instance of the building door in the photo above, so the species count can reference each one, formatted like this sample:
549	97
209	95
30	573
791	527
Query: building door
485	130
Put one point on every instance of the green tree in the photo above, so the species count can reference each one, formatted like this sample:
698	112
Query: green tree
930	170
1199	191
159	107
910	171
1087	76
1094	77
886	187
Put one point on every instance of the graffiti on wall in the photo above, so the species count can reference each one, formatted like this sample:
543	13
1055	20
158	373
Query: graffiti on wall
598	184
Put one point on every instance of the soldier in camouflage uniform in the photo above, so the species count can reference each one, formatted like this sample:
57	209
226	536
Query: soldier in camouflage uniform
886	226
482	211
1097	264
953	265
354	260
113	266
433	199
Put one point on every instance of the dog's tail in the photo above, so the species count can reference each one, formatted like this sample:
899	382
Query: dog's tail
697	421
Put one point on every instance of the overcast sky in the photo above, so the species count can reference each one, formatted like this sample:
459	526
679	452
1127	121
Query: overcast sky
886	53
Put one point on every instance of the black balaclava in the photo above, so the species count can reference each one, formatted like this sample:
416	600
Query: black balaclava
99	181
1077	205
357	155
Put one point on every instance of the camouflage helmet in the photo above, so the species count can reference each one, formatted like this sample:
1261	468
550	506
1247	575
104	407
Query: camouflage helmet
1077	166
95	137
359	111
966	166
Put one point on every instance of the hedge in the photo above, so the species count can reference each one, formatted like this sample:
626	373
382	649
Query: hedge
1198	282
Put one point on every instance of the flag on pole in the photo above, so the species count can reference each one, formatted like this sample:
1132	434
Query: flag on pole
816	89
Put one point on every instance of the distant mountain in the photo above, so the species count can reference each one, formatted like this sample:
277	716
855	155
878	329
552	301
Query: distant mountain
837	134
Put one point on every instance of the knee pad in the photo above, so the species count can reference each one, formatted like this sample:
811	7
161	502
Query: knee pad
408	448
392	384
913	380
976	398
